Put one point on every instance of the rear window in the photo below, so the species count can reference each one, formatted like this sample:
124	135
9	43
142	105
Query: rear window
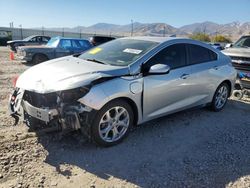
84	44
199	54
45	39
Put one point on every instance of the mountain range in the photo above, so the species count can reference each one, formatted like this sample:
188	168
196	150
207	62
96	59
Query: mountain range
233	30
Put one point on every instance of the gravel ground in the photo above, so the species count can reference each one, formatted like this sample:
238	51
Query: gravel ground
194	148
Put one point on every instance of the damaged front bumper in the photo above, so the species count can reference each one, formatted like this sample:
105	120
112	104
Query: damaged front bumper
45	115
62	116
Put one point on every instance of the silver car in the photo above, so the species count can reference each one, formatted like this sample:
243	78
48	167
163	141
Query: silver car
128	81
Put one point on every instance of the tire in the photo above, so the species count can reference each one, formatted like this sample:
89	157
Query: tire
238	94
220	97
108	128
13	48
39	58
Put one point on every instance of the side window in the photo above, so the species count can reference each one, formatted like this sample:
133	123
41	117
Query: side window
39	39
75	44
84	44
174	56
65	43
45	39
199	54
247	42
34	39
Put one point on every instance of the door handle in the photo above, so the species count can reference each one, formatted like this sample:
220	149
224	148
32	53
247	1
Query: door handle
215	67
184	76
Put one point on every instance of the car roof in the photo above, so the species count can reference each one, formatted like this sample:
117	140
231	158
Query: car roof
162	40
245	36
99	36
154	39
38	36
58	37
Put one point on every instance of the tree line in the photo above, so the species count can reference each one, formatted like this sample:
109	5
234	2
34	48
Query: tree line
206	38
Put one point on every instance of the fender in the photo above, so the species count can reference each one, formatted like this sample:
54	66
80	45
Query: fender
130	87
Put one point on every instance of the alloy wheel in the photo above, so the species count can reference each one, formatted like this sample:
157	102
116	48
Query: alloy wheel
114	124
221	97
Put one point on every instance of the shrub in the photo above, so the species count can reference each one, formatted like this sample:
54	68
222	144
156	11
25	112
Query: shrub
201	37
221	38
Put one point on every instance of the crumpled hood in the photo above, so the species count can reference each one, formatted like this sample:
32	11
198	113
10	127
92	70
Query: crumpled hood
11	41
238	52
65	73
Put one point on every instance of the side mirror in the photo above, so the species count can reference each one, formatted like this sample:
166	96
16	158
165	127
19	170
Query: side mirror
229	45
159	69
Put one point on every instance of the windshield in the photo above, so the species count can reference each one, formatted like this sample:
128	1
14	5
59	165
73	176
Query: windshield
243	42
53	42
119	52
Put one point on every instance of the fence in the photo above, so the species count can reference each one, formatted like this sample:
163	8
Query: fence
21	33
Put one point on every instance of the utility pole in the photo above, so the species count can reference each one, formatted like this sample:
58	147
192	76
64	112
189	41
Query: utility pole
63	31
164	31
11	24
216	34
132	28
42	30
204	30
21	30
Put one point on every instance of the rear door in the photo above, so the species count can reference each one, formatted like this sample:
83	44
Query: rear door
205	73
169	92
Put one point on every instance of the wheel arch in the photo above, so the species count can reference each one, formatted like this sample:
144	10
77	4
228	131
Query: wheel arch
230	85
105	92
39	53
133	106
131	103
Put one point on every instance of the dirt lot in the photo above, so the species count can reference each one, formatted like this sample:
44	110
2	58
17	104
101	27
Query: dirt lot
195	148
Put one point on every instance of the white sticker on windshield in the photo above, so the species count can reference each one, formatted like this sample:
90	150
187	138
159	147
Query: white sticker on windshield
132	51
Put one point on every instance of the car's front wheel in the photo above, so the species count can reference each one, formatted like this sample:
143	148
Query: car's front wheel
112	123
220	97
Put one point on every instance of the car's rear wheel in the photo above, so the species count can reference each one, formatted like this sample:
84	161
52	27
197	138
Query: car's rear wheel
39	58
220	97
112	123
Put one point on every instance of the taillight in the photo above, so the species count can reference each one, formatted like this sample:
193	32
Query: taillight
15	80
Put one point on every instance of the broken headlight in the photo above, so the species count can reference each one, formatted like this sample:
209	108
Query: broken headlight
72	95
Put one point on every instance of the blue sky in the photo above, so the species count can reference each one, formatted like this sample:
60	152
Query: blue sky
70	13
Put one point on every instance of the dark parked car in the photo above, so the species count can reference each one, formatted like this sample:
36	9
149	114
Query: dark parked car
97	40
31	40
56	47
217	46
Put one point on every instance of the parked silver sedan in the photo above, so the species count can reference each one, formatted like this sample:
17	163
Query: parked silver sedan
127	81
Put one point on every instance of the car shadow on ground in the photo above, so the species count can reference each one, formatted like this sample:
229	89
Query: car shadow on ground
194	148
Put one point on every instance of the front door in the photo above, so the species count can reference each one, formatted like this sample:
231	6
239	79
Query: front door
167	93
